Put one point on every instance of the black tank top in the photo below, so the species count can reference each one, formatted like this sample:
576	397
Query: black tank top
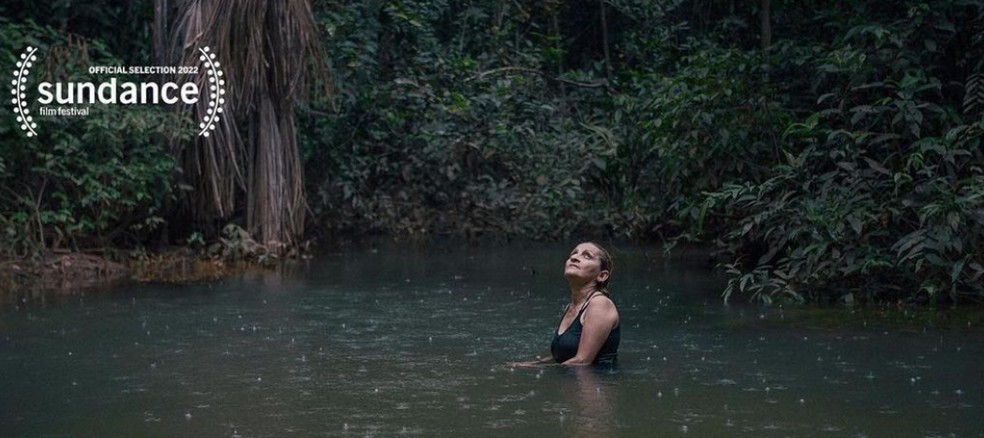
564	345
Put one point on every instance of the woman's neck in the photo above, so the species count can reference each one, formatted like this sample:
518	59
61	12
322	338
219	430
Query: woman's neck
580	293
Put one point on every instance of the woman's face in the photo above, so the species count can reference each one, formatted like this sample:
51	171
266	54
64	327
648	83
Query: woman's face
584	264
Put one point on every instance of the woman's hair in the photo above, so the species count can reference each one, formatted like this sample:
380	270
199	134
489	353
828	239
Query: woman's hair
607	264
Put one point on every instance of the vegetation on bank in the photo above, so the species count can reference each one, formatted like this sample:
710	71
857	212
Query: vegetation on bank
832	152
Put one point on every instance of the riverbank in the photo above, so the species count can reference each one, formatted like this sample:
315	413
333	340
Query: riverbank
72	272
68	272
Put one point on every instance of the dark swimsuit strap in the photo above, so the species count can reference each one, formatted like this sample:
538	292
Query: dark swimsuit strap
585	305
577	318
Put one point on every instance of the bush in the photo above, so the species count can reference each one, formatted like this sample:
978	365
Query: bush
444	126
96	180
879	196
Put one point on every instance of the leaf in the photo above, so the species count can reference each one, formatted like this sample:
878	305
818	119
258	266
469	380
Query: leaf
958	269
876	166
824	97
909	240
936	260
599	163
856	224
881	138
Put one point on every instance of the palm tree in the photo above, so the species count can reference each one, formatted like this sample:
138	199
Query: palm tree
266	50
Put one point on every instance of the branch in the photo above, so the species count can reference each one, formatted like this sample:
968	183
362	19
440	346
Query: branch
499	70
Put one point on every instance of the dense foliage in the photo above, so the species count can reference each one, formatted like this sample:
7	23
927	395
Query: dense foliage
878	190
453	119
830	151
85	182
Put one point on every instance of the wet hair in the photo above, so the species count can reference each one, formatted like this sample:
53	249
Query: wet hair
607	264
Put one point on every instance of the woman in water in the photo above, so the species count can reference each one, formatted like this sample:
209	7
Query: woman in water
589	331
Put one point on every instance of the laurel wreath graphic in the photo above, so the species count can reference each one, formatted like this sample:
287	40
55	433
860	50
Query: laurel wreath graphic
216	90
28	125
19	91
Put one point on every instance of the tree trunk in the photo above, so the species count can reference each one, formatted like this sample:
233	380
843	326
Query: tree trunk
265	49
766	25
604	40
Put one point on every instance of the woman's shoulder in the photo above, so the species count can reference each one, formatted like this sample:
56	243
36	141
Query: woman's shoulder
602	297
601	303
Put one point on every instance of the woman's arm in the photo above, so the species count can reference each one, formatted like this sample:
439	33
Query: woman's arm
599	319
540	360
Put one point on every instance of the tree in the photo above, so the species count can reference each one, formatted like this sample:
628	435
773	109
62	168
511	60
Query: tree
265	49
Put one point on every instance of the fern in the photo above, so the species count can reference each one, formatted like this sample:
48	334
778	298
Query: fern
973	93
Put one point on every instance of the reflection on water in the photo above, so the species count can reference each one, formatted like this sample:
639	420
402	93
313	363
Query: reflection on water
595	410
416	341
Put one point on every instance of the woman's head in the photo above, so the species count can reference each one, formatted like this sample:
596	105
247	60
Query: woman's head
589	262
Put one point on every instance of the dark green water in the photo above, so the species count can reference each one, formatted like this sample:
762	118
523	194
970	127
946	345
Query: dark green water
416	341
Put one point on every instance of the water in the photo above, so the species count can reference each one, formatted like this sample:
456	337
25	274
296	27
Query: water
416	341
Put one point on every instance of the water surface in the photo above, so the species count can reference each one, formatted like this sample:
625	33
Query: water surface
403	340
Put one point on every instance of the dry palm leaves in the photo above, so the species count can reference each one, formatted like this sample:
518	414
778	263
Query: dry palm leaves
267	51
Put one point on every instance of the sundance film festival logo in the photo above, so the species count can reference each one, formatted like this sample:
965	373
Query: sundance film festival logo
75	99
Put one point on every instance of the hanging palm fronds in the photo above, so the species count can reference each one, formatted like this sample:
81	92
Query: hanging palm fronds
266	50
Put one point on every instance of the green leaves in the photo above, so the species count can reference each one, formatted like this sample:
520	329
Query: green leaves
83	182
877	195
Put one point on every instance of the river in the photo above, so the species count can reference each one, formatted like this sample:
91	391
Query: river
396	340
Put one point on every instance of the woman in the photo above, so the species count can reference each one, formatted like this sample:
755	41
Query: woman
589	331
